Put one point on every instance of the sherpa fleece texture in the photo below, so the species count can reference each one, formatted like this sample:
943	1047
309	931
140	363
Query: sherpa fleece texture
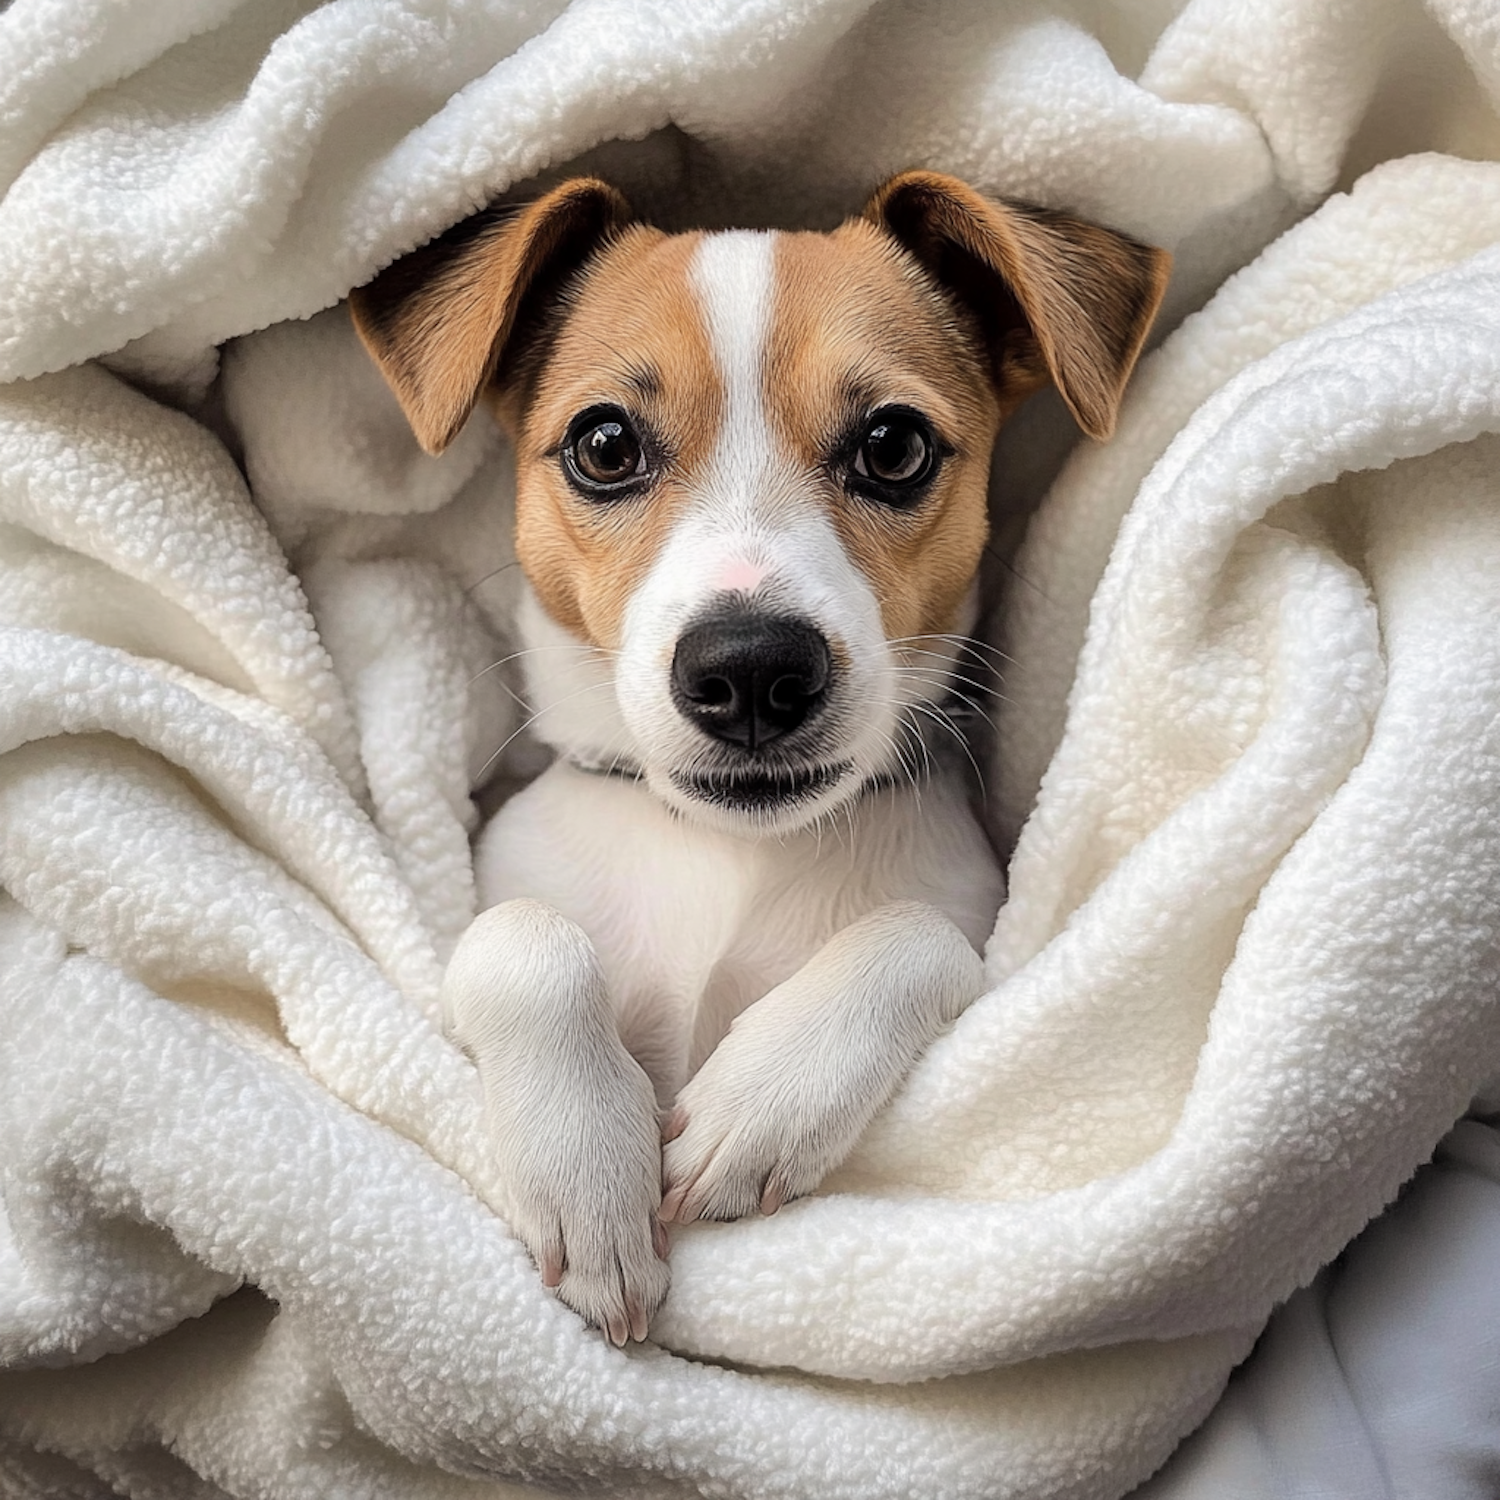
1250	745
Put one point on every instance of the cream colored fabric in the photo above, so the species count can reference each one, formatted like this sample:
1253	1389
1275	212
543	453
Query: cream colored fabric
1247	975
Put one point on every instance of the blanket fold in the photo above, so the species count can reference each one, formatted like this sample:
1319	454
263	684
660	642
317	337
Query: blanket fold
254	662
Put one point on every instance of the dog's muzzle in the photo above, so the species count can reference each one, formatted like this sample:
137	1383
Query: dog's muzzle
750	679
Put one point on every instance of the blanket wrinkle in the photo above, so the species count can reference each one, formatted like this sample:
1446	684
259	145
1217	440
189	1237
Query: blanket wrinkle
1304	70
1359	246
642	1405
186	529
254	667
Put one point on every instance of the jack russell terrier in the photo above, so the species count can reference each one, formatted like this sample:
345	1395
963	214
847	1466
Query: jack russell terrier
750	506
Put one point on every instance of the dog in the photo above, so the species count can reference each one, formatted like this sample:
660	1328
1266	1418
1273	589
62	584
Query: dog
751	480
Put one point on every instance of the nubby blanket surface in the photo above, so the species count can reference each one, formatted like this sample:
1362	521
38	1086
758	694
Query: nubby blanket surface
1248	753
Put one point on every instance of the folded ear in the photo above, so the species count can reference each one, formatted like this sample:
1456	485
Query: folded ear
1055	298
438	321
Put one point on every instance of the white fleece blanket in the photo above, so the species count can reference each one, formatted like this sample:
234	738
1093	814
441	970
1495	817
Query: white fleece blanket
1247	976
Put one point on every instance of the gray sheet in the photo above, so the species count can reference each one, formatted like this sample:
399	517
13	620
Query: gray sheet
1382	1378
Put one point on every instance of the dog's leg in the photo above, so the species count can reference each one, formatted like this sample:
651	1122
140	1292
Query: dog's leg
572	1117
785	1095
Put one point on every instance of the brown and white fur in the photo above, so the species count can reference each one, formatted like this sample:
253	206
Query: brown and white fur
744	892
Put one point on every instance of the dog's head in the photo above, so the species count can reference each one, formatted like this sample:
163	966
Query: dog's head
752	467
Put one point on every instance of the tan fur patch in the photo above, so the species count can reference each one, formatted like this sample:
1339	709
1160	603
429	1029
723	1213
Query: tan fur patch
632	337
856	325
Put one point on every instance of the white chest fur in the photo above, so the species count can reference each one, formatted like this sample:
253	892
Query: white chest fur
692	924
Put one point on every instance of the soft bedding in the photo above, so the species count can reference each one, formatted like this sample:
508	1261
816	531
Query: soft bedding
251	675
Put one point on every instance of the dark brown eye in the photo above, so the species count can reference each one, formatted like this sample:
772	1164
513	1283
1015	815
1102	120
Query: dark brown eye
602	451
897	451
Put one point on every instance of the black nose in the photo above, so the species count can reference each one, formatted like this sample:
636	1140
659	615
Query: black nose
749	679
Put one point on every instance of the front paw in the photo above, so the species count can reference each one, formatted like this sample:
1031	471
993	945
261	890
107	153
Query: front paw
740	1140
582	1177
597	1241
786	1094
570	1115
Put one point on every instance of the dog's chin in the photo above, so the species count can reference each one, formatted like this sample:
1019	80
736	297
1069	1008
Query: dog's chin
759	799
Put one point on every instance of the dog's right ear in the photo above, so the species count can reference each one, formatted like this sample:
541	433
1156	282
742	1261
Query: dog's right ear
437	321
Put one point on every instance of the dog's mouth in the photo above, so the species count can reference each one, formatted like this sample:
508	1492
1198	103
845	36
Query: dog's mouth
761	790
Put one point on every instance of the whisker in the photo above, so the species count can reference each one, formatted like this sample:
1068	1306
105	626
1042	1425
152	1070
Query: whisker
950	690
515	562
910	725
614	766
956	680
1020	577
950	657
953	692
939	717
969	642
908	769
964	642
531	651
935	677
954	664
592	687
510	692
938	674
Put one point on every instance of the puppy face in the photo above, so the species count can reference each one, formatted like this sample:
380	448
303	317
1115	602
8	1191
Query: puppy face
749	465
751	479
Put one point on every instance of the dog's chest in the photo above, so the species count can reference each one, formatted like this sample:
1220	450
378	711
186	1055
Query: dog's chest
692	925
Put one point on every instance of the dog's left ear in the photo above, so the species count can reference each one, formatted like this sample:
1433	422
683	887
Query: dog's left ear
1056	298
439	322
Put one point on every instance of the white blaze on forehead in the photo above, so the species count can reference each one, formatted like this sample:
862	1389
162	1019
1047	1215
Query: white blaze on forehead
732	277
757	522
